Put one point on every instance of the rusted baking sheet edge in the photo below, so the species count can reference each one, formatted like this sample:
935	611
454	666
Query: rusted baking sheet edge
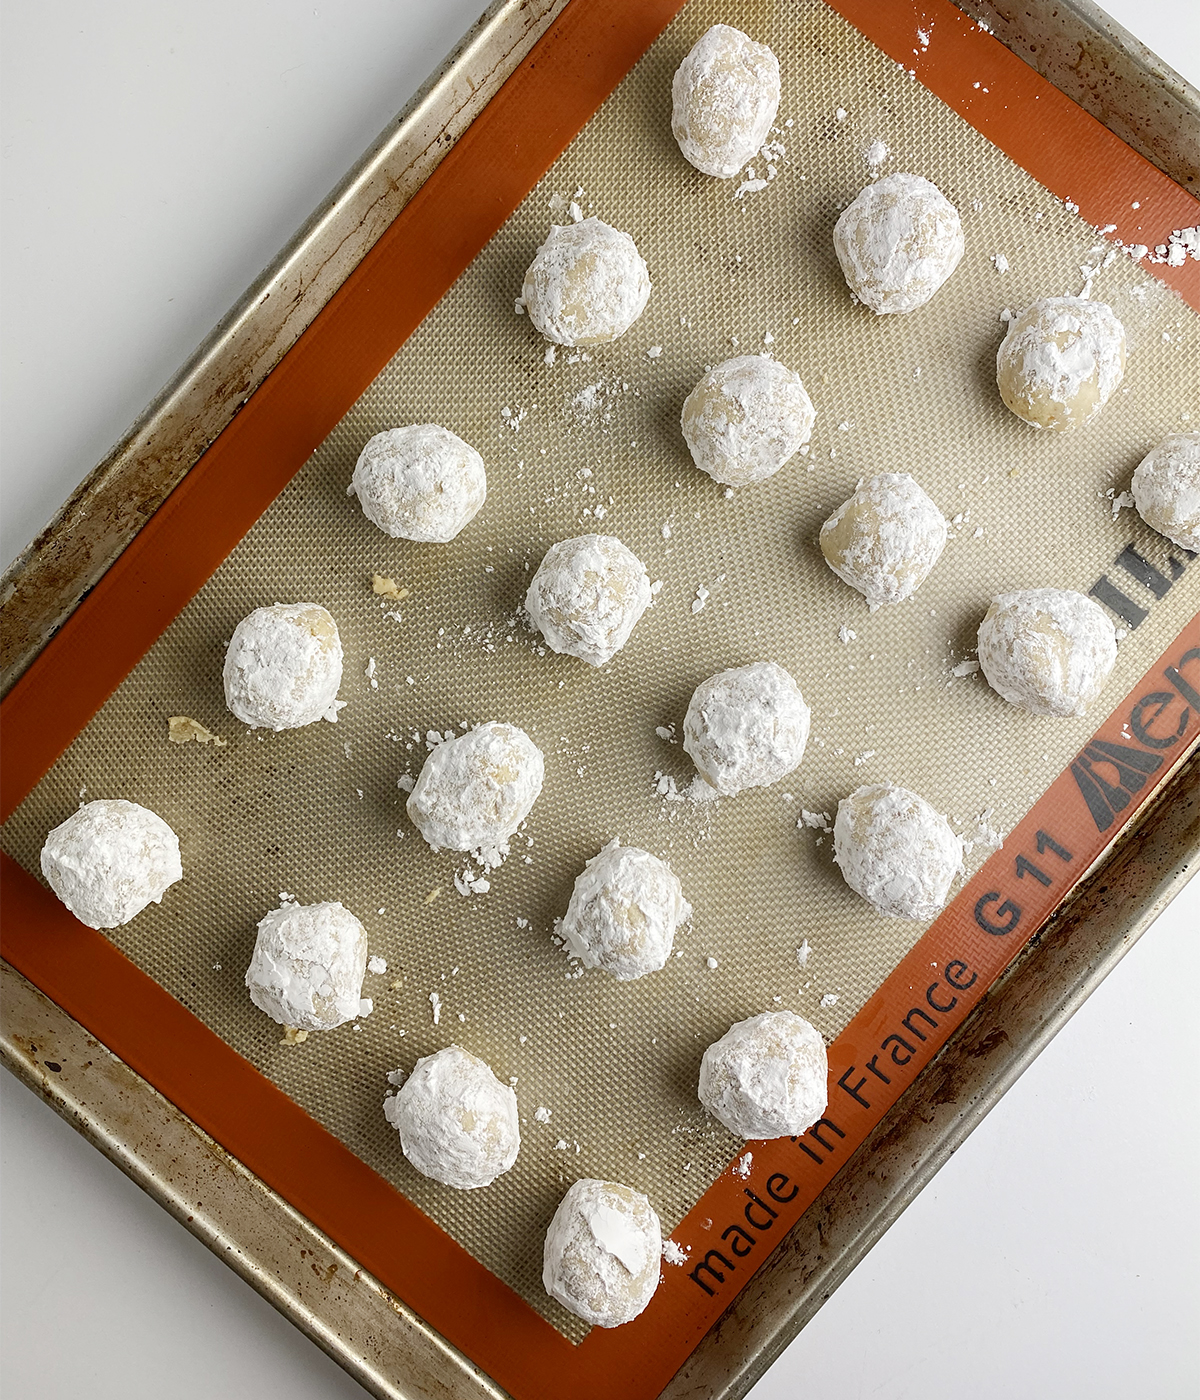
396	1356
43	586
1072	43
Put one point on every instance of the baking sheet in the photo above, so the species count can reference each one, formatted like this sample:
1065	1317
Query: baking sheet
284	812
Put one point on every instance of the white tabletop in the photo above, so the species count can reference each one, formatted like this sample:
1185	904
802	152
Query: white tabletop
155	157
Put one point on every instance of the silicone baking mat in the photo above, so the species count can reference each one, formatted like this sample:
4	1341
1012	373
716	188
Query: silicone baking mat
591	442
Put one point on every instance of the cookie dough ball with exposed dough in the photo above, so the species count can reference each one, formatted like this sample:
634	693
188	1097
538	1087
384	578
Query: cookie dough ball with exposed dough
746	418
457	1122
746	727
587	284
767	1076
420	482
587	596
898	241
724	98
1166	490
1047	650
283	667
307	967
603	1252
623	913
475	790
110	859
896	850
1060	362
885	539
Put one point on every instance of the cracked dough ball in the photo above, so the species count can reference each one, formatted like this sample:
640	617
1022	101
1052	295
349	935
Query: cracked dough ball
603	1253
457	1122
898	241
474	791
586	597
307	967
746	727
1060	362
724	98
1048	650
746	418
1166	490
587	284
896	850
885	539
421	483
766	1077
110	859
283	667
624	911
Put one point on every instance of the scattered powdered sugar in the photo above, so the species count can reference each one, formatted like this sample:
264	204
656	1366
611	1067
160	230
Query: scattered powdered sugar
435	1002
984	833
846	634
1000	262
829	999
743	1165
542	1115
377	965
965	668
875	155
1120	501
817	821
803	953
695	791
673	1253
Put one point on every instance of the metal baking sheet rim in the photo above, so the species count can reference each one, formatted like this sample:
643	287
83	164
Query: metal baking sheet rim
390	1350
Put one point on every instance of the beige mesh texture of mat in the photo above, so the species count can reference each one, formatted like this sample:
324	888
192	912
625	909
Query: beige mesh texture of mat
593	443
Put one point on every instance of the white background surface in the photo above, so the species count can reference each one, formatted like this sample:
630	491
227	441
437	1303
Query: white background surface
155	157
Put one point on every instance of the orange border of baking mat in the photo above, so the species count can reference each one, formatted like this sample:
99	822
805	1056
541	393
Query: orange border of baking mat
548	99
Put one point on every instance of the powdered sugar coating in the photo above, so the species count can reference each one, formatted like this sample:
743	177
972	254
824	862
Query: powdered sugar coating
307	966
421	482
624	911
746	727
602	1253
283	667
1048	650
1166	489
746	418
475	790
110	859
1060	362
586	597
898	241
896	850
885	539
724	97
457	1122
767	1076
587	284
